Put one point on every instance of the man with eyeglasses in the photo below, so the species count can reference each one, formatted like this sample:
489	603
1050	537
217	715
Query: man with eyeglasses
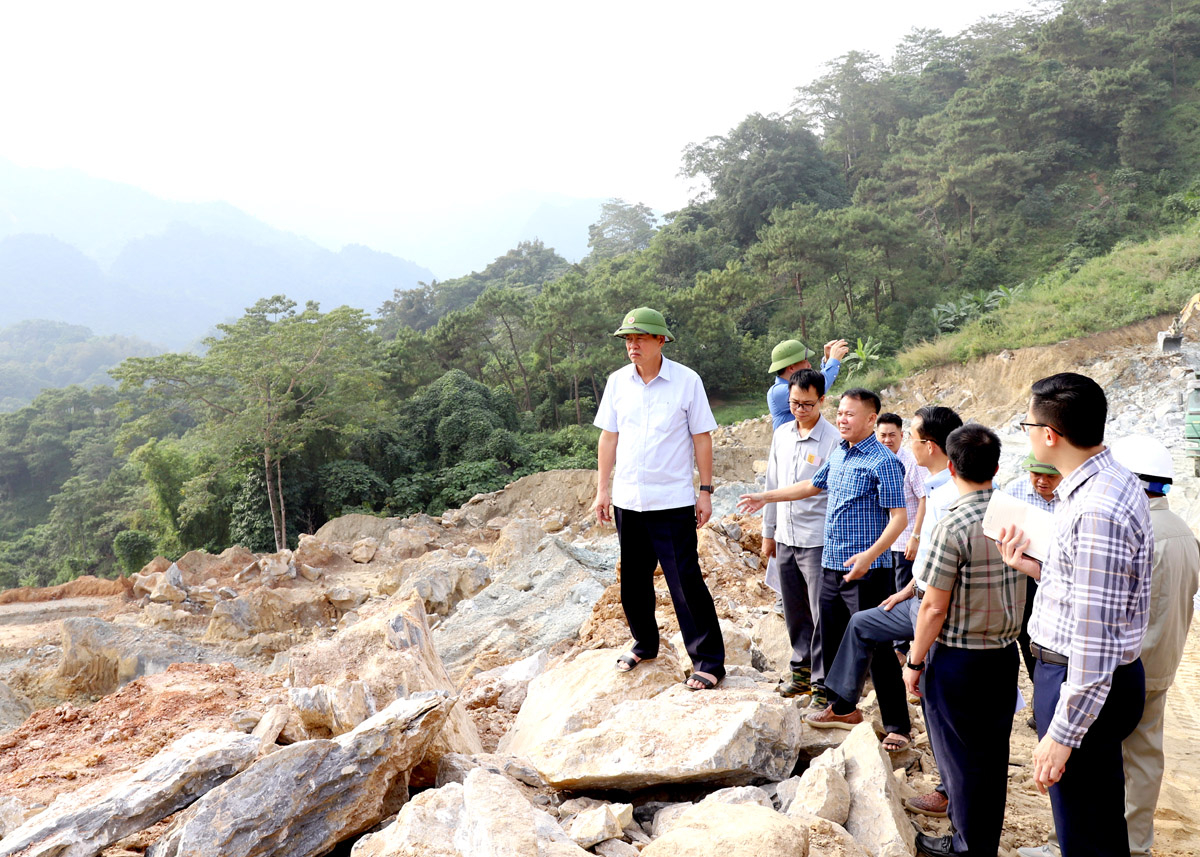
793	532
1090	617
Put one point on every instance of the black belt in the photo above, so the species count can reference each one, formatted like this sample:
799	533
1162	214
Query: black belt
1046	656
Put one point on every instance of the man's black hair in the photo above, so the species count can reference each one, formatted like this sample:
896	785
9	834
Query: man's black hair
802	379
936	424
974	450
890	419
1073	405
865	396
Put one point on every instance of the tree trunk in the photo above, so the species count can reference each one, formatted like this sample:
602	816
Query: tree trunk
578	410
517	356
273	501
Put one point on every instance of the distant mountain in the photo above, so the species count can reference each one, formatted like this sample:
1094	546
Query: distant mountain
122	261
36	355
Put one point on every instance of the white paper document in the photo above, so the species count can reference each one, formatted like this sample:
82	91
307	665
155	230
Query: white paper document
1004	510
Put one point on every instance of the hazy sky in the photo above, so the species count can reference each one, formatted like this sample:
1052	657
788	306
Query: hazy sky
349	121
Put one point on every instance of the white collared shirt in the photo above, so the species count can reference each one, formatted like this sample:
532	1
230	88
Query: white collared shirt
799	523
654	423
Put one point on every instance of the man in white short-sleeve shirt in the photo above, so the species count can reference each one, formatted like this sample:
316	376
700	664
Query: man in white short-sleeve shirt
654	420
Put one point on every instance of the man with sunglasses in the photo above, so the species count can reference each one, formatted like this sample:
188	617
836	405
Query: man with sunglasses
794	532
1089	619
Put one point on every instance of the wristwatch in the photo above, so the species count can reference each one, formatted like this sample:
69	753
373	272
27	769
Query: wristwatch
914	667
707	488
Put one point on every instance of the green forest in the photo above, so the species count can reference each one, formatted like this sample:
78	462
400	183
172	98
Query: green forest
1032	178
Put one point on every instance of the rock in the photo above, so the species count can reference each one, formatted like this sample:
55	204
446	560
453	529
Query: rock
12	815
269	611
821	791
145	582
517	540
827	839
391	651
735	735
271	726
170	587
348	529
594	825
667	817
83	822
484	817
349	783
326	711
364	550
538	601
347	598
553	522
730	830
98	656
14	708
277	567
876	818
737	645
582	693
505	687
245	720
739	794
411	540
770	635
439	578
615	848
198	566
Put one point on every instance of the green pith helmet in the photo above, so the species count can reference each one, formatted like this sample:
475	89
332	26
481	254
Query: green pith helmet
786	353
644	320
1034	466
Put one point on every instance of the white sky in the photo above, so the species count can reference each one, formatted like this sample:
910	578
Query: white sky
345	121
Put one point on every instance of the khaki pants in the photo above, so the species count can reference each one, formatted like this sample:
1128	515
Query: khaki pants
1142	752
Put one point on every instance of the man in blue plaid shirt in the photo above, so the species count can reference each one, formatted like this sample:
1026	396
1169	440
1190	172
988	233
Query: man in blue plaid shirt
865	515
1089	619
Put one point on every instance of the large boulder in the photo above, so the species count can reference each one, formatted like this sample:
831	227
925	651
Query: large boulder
582	693
265	611
440	578
84	822
98	656
541	599
14	707
348	529
390	650
486	816
518	539
303	799
730	830
199	566
740	733
876	817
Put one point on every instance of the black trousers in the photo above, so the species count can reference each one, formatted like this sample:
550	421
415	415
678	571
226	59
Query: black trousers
839	601
667	537
970	696
1089	801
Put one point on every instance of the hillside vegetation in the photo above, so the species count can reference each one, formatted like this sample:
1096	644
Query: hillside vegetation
1033	178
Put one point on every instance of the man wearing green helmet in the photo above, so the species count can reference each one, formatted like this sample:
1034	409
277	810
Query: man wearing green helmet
791	356
654	421
1036	489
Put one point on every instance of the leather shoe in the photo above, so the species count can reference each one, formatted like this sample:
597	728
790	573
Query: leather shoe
826	719
933	804
1046	850
935	846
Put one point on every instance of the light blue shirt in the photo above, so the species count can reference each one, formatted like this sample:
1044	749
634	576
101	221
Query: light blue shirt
777	395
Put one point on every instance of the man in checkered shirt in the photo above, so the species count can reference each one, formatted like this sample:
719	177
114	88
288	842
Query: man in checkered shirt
1089	619
971	608
865	515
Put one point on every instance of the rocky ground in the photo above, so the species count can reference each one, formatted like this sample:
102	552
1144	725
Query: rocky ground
458	670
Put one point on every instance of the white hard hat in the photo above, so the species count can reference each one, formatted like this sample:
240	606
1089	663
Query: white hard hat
1146	457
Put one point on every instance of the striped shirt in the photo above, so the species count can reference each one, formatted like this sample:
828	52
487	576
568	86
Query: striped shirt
1022	489
1094	594
864	481
987	600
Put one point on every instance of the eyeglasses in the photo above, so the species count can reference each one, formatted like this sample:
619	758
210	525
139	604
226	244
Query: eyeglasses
1025	427
801	406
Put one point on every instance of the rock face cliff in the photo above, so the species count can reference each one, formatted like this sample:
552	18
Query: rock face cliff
445	686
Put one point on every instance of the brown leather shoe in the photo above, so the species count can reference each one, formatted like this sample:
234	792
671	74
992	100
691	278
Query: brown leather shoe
933	804
826	719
